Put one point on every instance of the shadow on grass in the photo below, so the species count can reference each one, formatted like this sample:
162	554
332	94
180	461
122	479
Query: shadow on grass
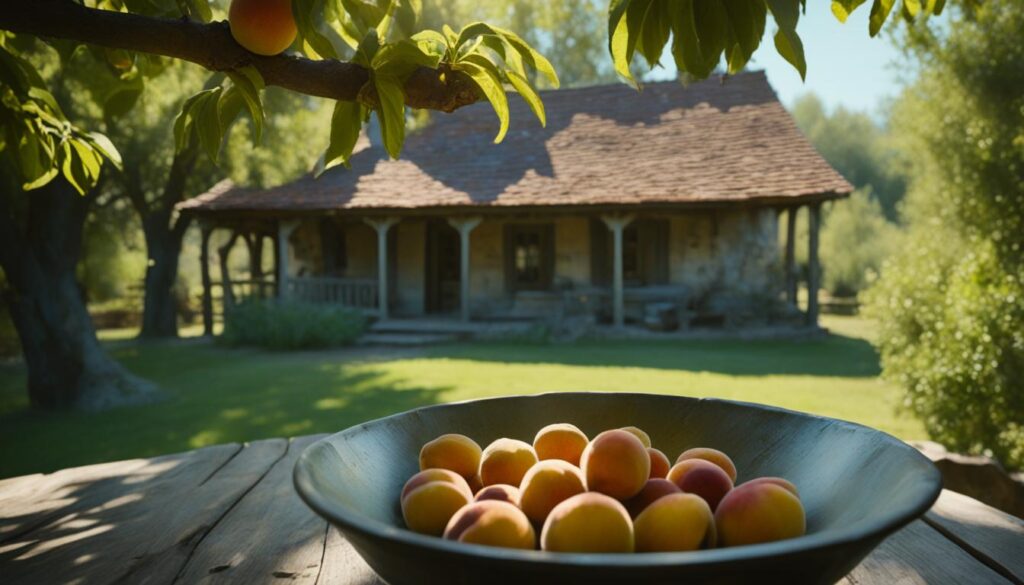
832	356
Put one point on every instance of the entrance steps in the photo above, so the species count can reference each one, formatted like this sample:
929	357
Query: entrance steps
412	332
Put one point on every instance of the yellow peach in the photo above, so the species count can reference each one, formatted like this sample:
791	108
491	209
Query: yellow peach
759	512
588	523
676	522
456	452
616	463
492	523
560	441
713	455
547	484
506	461
428	508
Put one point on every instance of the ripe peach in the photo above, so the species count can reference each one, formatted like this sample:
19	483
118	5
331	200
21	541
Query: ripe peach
676	522
640	434
775	480
429	475
659	463
713	455
265	27
654	489
500	492
697	476
506	461
616	463
560	441
547	484
475	484
588	522
492	523
428	508
456	452
759	512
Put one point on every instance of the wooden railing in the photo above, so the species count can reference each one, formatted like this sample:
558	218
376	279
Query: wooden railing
360	293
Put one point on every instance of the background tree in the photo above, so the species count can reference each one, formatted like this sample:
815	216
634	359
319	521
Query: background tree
951	304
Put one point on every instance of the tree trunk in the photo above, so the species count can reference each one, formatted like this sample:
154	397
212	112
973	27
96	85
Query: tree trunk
67	367
163	248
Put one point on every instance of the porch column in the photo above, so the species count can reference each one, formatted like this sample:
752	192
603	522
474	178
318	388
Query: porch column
464	225
284	231
205	230
790	261
617	223
813	266
382	225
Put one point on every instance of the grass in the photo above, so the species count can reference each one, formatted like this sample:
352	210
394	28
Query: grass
217	395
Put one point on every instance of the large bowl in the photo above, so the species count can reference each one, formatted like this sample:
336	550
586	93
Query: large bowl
858	486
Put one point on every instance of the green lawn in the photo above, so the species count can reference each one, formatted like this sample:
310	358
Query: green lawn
218	395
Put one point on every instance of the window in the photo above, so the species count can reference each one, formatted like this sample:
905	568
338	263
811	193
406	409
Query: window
529	251
644	253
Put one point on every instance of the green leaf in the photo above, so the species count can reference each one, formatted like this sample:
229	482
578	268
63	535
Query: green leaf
103	145
747	21
787	42
529	95
308	15
72	169
364	15
880	10
641	18
686	45
402	57
531	56
248	81
207	124
484	73
842	9
345	125
712	25
367	50
621	40
391	113
431	42
185	119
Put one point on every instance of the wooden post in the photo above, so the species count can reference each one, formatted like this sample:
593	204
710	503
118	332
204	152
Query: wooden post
813	266
617	224
227	293
284	231
382	225
465	226
204	267
790	261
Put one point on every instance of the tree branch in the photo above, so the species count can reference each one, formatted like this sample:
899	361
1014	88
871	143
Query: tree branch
213	47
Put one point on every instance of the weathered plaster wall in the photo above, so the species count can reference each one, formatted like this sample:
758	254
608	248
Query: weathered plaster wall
410	267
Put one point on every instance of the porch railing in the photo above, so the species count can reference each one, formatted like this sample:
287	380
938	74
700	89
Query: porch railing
359	293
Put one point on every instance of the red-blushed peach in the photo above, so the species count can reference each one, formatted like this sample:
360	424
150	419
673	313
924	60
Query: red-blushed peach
456	452
759	512
560	441
713	455
659	463
588	523
775	480
654	489
475	484
616	463
697	476
429	475
506	461
428	508
500	492
676	522
492	523
640	434
265	27
547	484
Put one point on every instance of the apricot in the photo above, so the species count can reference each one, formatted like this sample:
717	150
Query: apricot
777	481
428	508
547	484
659	463
588	523
429	475
676	522
506	461
456	452
560	441
713	455
265	27
500	492
616	463
697	476
492	523
759	512
654	489
640	434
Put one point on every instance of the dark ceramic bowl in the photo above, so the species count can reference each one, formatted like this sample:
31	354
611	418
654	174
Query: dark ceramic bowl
858	485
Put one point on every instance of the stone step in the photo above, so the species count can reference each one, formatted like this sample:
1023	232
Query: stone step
407	339
426	326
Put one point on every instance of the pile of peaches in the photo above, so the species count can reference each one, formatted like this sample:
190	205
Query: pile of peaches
613	494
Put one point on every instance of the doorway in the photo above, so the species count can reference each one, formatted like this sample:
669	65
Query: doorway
443	268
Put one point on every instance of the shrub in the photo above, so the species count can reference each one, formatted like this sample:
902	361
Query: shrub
855	240
288	325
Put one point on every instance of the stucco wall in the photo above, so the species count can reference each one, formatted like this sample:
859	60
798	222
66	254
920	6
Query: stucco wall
410	267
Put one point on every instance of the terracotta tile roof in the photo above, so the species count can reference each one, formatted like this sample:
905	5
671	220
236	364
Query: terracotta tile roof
715	141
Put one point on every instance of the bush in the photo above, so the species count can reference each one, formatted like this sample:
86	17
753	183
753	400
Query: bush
855	239
288	325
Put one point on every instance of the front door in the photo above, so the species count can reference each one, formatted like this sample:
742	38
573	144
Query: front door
442	282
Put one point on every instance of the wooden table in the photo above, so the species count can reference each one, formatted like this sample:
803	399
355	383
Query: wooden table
229	514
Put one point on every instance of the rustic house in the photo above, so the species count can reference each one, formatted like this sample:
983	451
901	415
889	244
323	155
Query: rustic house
672	195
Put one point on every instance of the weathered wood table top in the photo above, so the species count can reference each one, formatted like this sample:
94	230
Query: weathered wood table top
229	513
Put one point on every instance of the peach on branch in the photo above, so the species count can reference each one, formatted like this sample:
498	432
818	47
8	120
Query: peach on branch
265	27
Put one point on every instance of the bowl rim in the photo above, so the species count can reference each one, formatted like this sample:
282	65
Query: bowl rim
878	528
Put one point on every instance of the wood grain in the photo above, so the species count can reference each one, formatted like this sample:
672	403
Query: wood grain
918	554
269	537
993	537
343	565
143	525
